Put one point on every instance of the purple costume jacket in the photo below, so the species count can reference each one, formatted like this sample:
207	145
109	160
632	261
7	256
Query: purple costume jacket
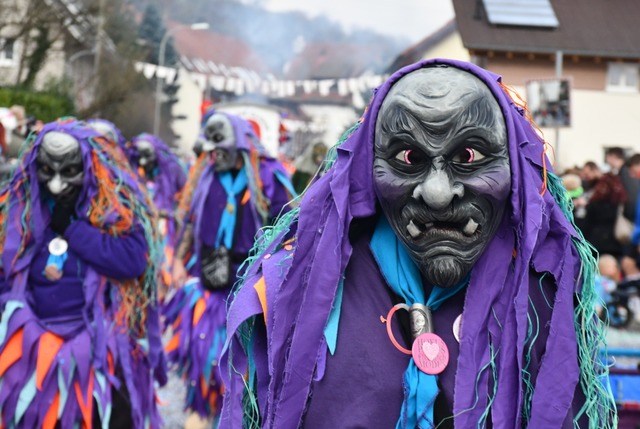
528	350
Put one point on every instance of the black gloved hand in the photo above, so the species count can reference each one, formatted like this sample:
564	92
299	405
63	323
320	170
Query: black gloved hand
62	217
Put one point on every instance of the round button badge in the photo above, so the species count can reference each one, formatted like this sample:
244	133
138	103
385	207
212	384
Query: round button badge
430	353
457	324
58	246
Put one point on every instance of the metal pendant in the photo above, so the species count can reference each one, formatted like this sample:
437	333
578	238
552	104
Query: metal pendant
58	246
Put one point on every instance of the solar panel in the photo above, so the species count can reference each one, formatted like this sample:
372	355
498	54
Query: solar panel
527	13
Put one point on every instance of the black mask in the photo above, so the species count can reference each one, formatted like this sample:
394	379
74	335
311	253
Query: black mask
441	169
221	141
60	167
147	158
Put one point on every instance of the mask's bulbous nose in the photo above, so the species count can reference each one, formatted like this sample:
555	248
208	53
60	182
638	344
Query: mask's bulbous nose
56	185
438	190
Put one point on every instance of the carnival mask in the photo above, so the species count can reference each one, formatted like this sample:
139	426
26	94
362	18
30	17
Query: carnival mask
147	158
60	167
441	169
104	129
221	142
199	144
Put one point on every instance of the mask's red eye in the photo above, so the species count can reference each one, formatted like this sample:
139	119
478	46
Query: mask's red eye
467	156
410	157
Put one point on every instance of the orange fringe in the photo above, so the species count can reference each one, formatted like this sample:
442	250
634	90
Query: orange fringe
107	200
186	194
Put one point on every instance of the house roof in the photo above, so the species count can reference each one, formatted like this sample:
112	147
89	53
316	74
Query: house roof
333	60
213	53
415	52
586	27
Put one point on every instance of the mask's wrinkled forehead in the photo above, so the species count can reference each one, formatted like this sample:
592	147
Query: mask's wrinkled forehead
58	145
144	146
105	129
218	131
445	98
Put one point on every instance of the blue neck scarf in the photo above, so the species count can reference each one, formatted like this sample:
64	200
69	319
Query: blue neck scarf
403	276
228	221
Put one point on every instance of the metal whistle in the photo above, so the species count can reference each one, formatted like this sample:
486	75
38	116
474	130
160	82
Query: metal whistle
420	320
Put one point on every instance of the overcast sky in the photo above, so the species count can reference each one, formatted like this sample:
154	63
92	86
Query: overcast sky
412	19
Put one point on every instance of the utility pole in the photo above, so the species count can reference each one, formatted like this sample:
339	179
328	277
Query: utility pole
557	126
99	51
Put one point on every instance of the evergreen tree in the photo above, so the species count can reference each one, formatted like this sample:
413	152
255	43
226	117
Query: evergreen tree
152	30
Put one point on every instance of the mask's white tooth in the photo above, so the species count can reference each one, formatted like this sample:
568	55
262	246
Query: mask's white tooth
413	230
428	225
470	227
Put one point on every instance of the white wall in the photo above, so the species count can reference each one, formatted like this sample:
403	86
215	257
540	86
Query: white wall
450	47
188	104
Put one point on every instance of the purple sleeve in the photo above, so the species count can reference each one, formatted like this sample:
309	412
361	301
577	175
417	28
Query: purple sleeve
122	257
3	281
276	191
181	177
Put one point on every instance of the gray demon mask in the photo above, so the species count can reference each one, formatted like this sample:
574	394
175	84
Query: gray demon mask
441	169
104	129
147	157
60	167
221	142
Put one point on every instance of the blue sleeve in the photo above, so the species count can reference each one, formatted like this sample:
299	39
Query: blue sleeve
635	236
122	257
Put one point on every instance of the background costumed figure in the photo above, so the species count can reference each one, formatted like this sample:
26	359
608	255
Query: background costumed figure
432	277
80	337
164	176
234	190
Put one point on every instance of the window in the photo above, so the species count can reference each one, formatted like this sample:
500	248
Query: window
622	77
7	55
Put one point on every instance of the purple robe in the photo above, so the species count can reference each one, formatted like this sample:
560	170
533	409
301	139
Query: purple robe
121	258
361	385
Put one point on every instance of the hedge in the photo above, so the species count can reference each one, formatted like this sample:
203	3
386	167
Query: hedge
46	106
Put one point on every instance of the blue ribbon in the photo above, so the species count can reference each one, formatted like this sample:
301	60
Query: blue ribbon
57	260
403	276
228	221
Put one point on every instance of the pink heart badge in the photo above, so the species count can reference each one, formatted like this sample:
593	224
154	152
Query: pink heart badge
431	350
430	353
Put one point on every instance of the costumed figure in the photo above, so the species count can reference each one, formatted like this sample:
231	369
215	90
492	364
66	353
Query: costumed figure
432	277
308	165
233	191
80	340
164	176
112	133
